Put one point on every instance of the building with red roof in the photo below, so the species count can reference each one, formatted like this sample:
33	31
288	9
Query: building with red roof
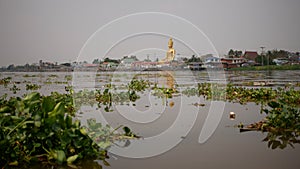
250	55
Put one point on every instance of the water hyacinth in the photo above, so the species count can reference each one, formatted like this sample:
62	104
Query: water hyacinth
42	128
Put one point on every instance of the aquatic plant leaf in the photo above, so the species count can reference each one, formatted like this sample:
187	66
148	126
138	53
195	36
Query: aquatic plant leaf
58	110
126	130
71	159
275	144
41	135
265	139
61	157
5	109
68	121
270	143
83	131
32	96
104	144
37	123
106	163
15	163
48	104
273	104
20	106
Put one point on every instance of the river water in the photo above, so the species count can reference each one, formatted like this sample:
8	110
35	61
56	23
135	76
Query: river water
171	128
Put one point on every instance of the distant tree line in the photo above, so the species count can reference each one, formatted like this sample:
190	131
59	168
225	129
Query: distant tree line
97	61
267	57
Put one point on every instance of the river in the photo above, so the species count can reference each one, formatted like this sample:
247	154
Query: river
171	128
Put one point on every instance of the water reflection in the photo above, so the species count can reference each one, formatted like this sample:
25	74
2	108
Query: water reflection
281	139
276	139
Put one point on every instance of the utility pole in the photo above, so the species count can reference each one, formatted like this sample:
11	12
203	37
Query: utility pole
262	54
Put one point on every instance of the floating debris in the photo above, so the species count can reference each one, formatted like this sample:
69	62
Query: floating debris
198	104
171	104
232	115
263	83
241	125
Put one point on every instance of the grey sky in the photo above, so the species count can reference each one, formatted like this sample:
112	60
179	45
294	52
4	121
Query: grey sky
56	30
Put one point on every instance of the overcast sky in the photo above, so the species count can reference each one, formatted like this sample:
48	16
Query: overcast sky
56	30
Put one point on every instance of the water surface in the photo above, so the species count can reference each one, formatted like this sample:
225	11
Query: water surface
226	148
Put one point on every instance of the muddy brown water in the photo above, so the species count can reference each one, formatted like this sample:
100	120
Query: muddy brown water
152	117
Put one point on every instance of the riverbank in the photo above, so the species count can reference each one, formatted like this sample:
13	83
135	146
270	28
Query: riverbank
269	67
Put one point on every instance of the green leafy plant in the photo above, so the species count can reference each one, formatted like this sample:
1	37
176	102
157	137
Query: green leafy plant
39	128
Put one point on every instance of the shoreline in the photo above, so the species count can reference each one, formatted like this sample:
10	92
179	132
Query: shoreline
269	67
250	68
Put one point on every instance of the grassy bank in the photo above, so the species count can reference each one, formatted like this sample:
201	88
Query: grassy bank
269	67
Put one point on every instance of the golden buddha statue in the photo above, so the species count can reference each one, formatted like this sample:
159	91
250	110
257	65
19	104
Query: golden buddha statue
170	53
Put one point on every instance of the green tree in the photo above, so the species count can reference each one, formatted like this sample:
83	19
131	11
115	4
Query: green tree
270	55
230	52
111	60
238	53
194	59
234	53
96	61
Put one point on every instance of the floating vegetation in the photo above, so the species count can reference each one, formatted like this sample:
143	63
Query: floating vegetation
25	81
104	136
32	87
106	98
102	74
5	81
138	85
231	93
47	82
190	92
117	80
279	139
198	104
60	82
27	75
53	76
281	106
162	92
245	83
68	77
39	128
14	89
